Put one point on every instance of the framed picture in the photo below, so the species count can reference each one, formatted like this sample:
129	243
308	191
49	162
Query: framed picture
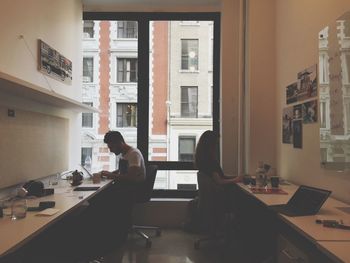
297	112
298	134
292	93
307	80
53	64
310	111
287	131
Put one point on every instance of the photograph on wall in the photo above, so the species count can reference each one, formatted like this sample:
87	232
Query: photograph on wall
287	131
310	111
307	83
298	134
53	64
297	112
292	93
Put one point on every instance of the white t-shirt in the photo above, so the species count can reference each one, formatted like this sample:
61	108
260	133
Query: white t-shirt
135	158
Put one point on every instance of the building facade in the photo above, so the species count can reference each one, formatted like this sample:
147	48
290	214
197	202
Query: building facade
180	99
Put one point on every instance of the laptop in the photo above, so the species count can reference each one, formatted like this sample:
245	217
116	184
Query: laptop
86	170
305	201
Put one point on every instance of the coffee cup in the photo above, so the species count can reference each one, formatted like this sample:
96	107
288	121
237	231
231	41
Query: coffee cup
275	181
253	181
96	178
246	180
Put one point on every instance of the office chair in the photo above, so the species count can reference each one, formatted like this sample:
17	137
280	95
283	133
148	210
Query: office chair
143	196
213	216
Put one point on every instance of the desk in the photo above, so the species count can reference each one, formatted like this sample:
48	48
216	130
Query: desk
14	233
338	251
320	237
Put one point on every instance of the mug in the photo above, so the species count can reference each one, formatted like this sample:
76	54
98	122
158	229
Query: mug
96	178
275	181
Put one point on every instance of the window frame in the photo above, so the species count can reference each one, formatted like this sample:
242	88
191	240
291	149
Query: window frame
186	137
124	70
143	19
187	55
81	154
92	67
87	115
182	103
124	29
117	115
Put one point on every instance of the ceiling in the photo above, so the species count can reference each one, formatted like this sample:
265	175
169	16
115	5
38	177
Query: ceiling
151	2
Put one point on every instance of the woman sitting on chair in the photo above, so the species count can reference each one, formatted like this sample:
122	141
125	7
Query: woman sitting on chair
207	162
216	201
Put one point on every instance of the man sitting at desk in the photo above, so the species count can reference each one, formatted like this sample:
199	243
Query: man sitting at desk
131	164
108	216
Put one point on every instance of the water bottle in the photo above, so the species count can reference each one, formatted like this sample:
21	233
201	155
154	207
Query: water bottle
88	163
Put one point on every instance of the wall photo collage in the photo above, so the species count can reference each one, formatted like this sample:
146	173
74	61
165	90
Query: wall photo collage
294	116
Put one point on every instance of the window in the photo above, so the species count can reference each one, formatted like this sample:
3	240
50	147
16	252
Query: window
189	54
347	28
126	115
88	69
127	29
88	29
85	153
323	68
187	145
189	102
151	104
323	111
127	70
87	117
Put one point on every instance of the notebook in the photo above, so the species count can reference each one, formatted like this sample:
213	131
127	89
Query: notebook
305	201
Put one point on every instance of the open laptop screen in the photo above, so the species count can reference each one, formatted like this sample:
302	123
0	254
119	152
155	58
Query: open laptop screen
308	199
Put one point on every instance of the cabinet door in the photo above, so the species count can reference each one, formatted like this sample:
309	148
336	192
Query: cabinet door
289	253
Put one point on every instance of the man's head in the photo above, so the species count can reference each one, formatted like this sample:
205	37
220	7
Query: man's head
114	141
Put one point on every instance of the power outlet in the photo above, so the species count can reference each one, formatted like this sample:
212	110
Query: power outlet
11	113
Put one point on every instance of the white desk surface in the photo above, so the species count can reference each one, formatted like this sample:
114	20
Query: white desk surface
338	251
273	199
306	225
14	233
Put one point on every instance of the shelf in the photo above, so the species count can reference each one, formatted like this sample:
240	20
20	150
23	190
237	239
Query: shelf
26	90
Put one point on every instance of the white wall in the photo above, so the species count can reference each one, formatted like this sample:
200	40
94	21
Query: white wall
261	74
297	25
58	23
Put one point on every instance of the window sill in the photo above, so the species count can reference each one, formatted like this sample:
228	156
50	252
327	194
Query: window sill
188	71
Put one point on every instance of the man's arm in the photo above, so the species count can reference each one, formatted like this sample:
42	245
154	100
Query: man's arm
134	174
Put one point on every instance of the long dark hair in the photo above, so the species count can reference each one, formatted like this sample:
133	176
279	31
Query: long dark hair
206	149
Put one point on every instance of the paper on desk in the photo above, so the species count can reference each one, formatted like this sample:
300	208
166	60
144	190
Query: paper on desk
48	212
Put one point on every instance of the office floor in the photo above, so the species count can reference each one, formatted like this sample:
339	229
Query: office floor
173	246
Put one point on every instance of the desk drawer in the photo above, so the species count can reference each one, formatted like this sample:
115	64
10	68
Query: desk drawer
289	253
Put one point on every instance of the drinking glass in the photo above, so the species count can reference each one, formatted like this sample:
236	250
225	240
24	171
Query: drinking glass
19	209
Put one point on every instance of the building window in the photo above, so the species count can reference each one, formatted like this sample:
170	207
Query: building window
88	29
87	117
189	54
126	114
127	29
323	111
189	102
347	28
323	69
127	70
348	115
86	152
187	146
88	69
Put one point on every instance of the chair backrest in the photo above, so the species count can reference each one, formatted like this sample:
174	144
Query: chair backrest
210	200
145	192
